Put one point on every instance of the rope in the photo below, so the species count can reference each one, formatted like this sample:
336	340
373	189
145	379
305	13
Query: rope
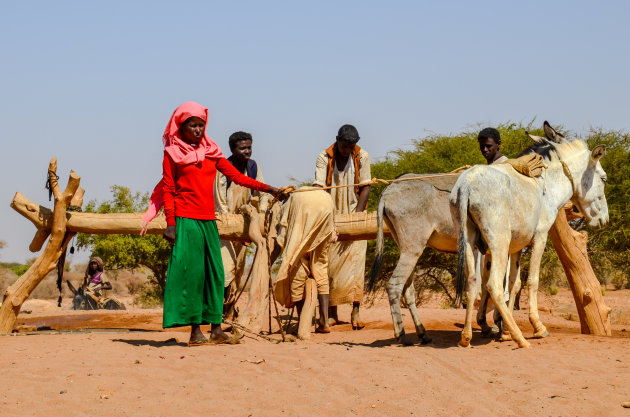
290	189
567	172
245	329
48	185
272	295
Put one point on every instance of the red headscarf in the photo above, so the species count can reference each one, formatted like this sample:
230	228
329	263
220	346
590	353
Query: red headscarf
181	152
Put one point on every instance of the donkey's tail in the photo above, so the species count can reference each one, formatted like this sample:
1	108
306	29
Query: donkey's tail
378	258
462	241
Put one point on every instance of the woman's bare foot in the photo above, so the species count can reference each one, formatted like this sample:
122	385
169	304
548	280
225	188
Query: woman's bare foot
196	337
218	336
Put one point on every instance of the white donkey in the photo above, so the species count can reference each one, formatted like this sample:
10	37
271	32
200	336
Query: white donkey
501	211
417	214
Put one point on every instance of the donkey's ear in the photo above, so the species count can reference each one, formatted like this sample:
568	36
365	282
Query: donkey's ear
536	139
551	134
74	291
598	152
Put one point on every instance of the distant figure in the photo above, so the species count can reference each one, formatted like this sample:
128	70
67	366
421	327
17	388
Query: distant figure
345	163
91	294
94	280
228	198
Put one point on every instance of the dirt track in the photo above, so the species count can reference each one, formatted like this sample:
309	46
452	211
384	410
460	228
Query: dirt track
345	373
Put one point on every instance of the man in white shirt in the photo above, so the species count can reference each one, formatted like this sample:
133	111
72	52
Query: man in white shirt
345	163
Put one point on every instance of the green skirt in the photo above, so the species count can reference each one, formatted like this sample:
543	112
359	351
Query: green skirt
194	280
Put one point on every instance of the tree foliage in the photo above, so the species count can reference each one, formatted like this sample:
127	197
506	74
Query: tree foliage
609	248
128	251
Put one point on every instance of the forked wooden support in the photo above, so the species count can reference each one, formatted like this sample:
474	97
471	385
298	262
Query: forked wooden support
17	293
571	249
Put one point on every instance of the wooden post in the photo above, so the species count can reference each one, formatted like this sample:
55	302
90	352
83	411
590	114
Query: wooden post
17	293
571	249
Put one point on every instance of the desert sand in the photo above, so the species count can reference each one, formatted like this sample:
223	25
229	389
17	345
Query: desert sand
132	368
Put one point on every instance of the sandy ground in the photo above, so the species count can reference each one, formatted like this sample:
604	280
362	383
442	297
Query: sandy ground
145	372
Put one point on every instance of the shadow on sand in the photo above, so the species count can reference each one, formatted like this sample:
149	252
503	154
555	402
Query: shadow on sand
441	339
153	343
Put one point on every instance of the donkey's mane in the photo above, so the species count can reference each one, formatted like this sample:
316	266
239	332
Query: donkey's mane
545	150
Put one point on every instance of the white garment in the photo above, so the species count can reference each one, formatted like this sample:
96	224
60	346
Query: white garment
346	263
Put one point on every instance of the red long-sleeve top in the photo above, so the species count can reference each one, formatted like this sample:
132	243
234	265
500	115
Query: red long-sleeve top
189	189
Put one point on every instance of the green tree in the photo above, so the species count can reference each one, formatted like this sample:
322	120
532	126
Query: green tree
609	248
128	251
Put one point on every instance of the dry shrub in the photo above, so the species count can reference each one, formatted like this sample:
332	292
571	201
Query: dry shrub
7	277
136	283
149	296
619	280
126	281
47	288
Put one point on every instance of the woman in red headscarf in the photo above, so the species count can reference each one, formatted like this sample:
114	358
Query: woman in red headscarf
195	281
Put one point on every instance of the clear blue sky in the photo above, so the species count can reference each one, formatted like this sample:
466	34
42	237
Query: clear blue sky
95	83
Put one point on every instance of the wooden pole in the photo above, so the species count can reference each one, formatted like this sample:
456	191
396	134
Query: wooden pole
17	293
571	249
235	227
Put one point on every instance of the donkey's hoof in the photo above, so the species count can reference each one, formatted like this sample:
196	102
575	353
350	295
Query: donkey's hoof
505	337
524	344
490	331
425	339
358	326
541	334
404	340
464	342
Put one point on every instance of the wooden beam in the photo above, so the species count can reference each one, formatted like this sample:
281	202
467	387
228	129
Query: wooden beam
355	226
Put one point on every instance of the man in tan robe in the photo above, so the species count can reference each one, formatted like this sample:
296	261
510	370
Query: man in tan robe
228	197
345	163
306	232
